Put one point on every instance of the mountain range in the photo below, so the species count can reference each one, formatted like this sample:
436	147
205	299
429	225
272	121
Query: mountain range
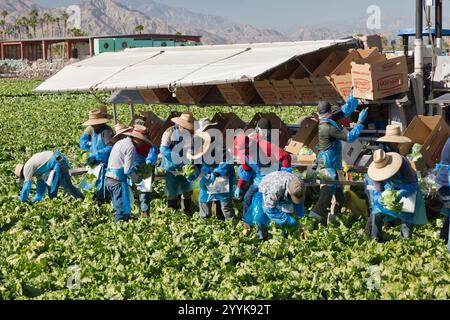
101	17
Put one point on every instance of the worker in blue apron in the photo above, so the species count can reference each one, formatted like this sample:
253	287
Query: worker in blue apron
280	198
393	139
392	171
329	159
254	167
218	178
51	170
443	182
121	171
175	143
97	140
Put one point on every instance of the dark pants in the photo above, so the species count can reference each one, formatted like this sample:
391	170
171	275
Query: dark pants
226	208
145	198
444	194
66	183
325	201
248	198
114	187
376	228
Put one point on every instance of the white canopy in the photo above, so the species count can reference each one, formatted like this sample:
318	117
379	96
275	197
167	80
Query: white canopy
148	68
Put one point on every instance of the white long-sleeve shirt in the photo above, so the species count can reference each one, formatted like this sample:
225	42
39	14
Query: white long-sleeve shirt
122	156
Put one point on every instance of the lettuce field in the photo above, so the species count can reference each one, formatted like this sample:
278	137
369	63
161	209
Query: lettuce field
67	249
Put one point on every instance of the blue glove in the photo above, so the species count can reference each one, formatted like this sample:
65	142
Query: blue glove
363	116
351	105
237	193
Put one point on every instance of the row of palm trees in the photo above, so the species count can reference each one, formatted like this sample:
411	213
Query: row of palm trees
36	26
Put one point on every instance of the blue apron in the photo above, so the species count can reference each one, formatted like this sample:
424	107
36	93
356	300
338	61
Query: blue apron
98	144
126	193
419	217
446	201
204	195
176	185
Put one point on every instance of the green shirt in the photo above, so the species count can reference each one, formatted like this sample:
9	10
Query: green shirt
328	134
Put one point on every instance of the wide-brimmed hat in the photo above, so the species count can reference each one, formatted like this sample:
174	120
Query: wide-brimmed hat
138	132
119	129
198	153
97	117
384	165
296	189
204	124
19	170
186	121
394	135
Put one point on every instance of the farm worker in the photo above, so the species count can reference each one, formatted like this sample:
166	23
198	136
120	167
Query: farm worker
51	170
175	143
255	166
146	156
120	169
96	139
280	199
392	171
443	182
329	158
393	139
218	180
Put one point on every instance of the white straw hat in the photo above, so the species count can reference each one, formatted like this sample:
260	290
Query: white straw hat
384	165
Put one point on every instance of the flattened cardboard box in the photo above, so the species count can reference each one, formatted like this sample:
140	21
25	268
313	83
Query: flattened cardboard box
192	95
238	93
286	91
307	135
267	92
432	133
379	77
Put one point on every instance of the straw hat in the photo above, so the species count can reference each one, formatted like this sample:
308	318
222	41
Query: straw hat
19	170
394	135
206	145
297	191
97	117
384	165
138	132
186	121
119	129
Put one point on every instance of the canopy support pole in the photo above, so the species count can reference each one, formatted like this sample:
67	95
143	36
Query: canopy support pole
115	113
132	112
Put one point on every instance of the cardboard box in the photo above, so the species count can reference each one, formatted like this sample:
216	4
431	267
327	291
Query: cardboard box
351	152
267	92
192	95
287	92
238	93
432	133
379	76
168	123
154	95
277	123
307	135
304	160
341	77
155	126
227	121
372	41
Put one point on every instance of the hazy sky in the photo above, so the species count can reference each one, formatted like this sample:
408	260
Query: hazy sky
282	14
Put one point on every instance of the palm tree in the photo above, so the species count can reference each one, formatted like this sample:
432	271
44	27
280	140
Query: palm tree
17	25
47	17
4	14
34	15
52	25
3	25
139	28
42	24
58	20
26	25
77	32
65	18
